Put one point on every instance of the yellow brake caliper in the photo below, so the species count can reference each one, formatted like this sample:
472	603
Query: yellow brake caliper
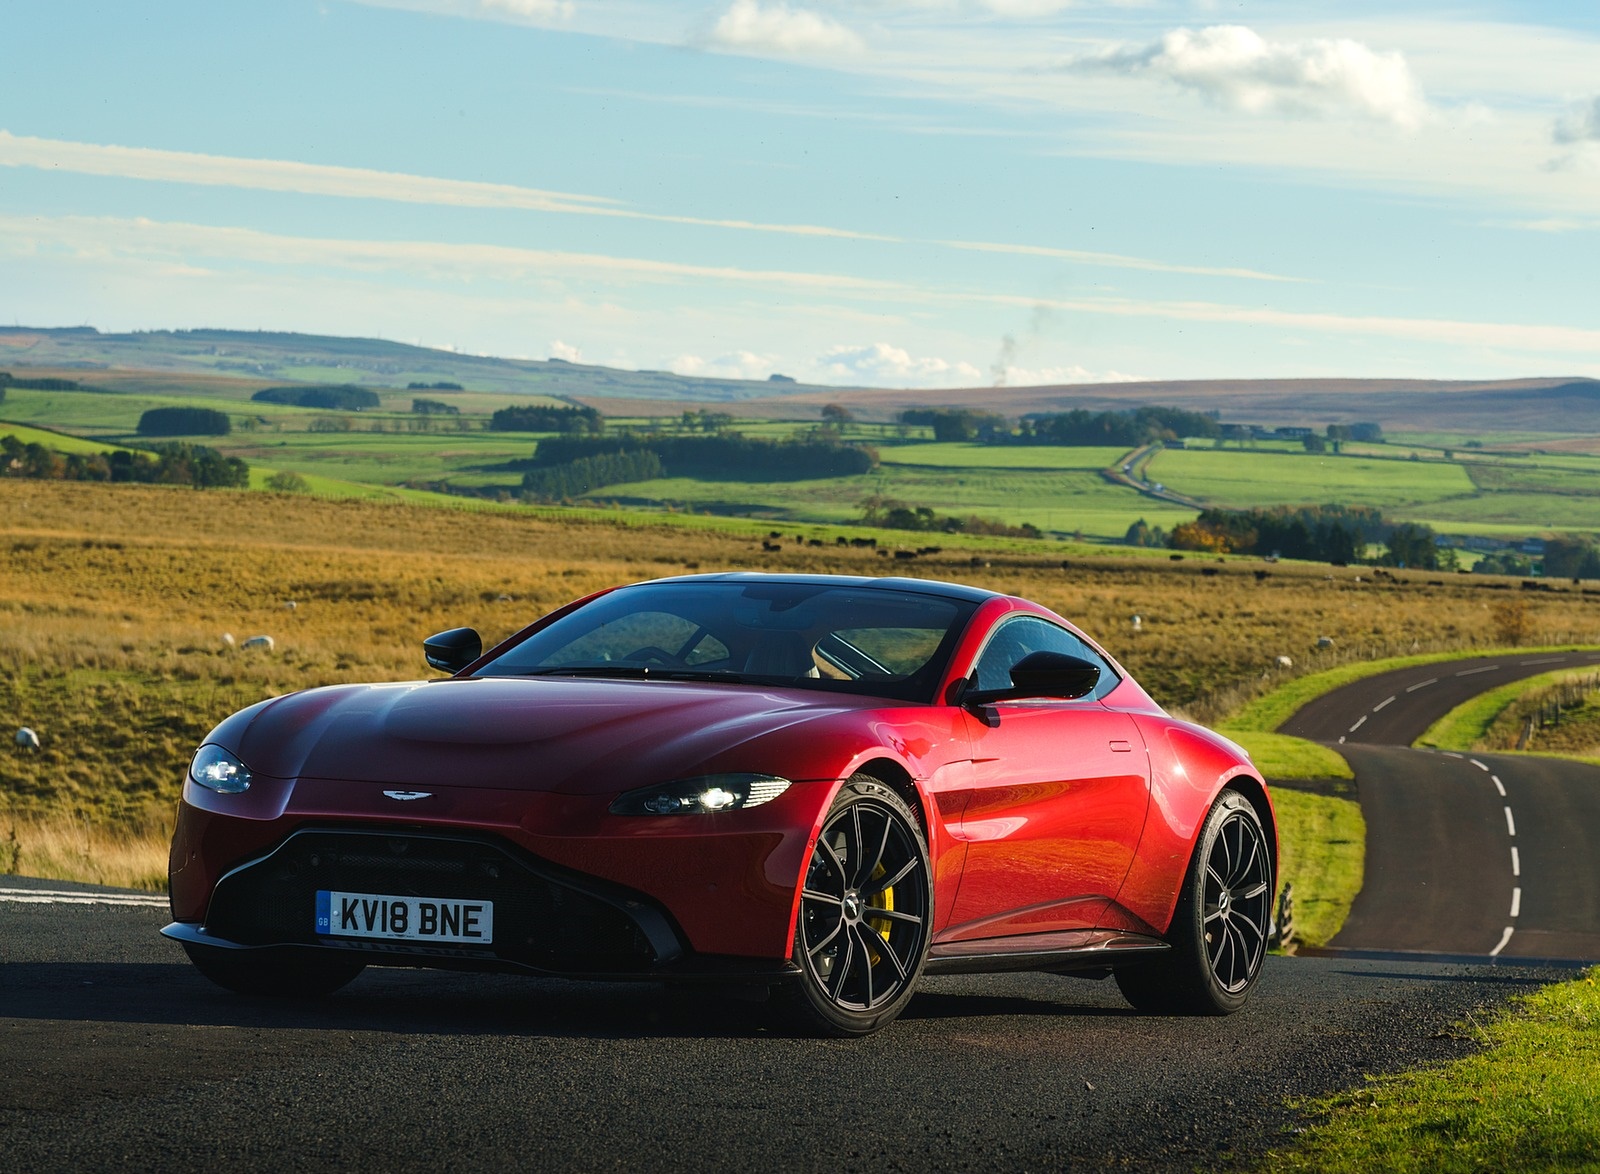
881	900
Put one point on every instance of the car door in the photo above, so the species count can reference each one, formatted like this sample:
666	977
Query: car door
1059	791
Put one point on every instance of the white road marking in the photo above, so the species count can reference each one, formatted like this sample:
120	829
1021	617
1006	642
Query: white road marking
1504	939
1381	704
1516	901
1341	739
76	897
1488	668
1360	721
1544	660
1511	824
1516	862
1498	785
1477	764
1422	684
1452	754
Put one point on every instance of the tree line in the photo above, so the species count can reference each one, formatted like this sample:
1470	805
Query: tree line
1079	427
546	418
723	456
173	463
586	474
343	397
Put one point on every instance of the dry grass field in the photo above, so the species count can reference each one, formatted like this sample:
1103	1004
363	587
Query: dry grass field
114	602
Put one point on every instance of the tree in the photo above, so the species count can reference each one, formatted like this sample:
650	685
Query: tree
1314	443
837	414
184	422
1412	545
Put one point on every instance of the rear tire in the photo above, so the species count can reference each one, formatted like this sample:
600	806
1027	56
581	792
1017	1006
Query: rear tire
287	974
866	914
1219	930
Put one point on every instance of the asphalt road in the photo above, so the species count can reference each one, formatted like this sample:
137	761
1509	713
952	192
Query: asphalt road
1470	856
114	1053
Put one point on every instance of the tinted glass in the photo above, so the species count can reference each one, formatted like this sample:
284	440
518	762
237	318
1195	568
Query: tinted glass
1015	639
853	639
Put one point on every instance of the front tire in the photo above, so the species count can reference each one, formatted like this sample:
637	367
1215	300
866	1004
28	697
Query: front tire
287	974
866	913
1219	931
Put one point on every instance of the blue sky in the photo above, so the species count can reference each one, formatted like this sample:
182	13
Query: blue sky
878	192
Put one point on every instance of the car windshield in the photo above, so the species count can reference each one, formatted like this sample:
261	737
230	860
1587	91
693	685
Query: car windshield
879	641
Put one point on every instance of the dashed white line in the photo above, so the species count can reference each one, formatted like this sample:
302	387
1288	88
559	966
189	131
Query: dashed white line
1451	754
1477	764
1511	824
1341	739
1516	901
1544	660
1488	668
1381	704
1422	684
1360	721
1498	785
1516	862
1504	939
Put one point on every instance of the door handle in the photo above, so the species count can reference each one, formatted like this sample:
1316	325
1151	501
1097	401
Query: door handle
1120	747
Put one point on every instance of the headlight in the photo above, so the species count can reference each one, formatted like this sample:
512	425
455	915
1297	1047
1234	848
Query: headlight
700	796
216	769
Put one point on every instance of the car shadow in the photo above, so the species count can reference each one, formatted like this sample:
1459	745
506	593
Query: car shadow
420	1002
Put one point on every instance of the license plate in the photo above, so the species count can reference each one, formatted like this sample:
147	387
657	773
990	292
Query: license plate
404	919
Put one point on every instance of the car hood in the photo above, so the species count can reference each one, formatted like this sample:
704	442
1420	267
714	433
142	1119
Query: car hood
564	734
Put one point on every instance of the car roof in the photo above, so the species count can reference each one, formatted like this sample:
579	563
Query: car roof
920	586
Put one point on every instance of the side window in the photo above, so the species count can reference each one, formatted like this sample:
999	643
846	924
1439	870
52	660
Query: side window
1015	639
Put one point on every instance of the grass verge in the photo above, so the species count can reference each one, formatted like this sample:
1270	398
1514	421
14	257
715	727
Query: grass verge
1322	847
1465	725
1278	756
1509	1107
77	848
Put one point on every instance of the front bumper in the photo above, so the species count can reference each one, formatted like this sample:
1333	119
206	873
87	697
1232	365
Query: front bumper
726	883
548	920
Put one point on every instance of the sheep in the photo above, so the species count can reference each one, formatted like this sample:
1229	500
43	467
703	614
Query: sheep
1283	662
264	642
227	639
289	605
26	739
1324	641
1138	623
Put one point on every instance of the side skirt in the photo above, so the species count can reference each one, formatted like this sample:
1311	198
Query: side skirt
1078	949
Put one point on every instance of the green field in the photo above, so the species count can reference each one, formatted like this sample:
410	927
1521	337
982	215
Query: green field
1245	478
1061	490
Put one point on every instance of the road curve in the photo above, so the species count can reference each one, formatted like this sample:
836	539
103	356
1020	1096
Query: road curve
1475	856
116	1054
1396	708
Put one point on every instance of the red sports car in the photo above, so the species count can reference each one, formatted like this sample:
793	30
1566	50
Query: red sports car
824	785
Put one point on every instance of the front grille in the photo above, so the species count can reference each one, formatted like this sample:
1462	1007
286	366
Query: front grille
543	917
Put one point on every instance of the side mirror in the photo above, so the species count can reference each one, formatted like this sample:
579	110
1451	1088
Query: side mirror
1042	674
452	651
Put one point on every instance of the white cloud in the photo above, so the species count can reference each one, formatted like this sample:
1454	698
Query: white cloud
880	364
737	365
561	350
1236	67
1580	124
281	175
535	10
747	27
1010	376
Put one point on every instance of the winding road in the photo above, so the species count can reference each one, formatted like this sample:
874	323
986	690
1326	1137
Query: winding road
1468	856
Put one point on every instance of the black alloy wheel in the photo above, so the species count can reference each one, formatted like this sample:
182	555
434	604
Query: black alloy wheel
285	973
1219	931
866	912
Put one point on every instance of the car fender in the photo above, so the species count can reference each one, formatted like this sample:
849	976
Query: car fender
1189	767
